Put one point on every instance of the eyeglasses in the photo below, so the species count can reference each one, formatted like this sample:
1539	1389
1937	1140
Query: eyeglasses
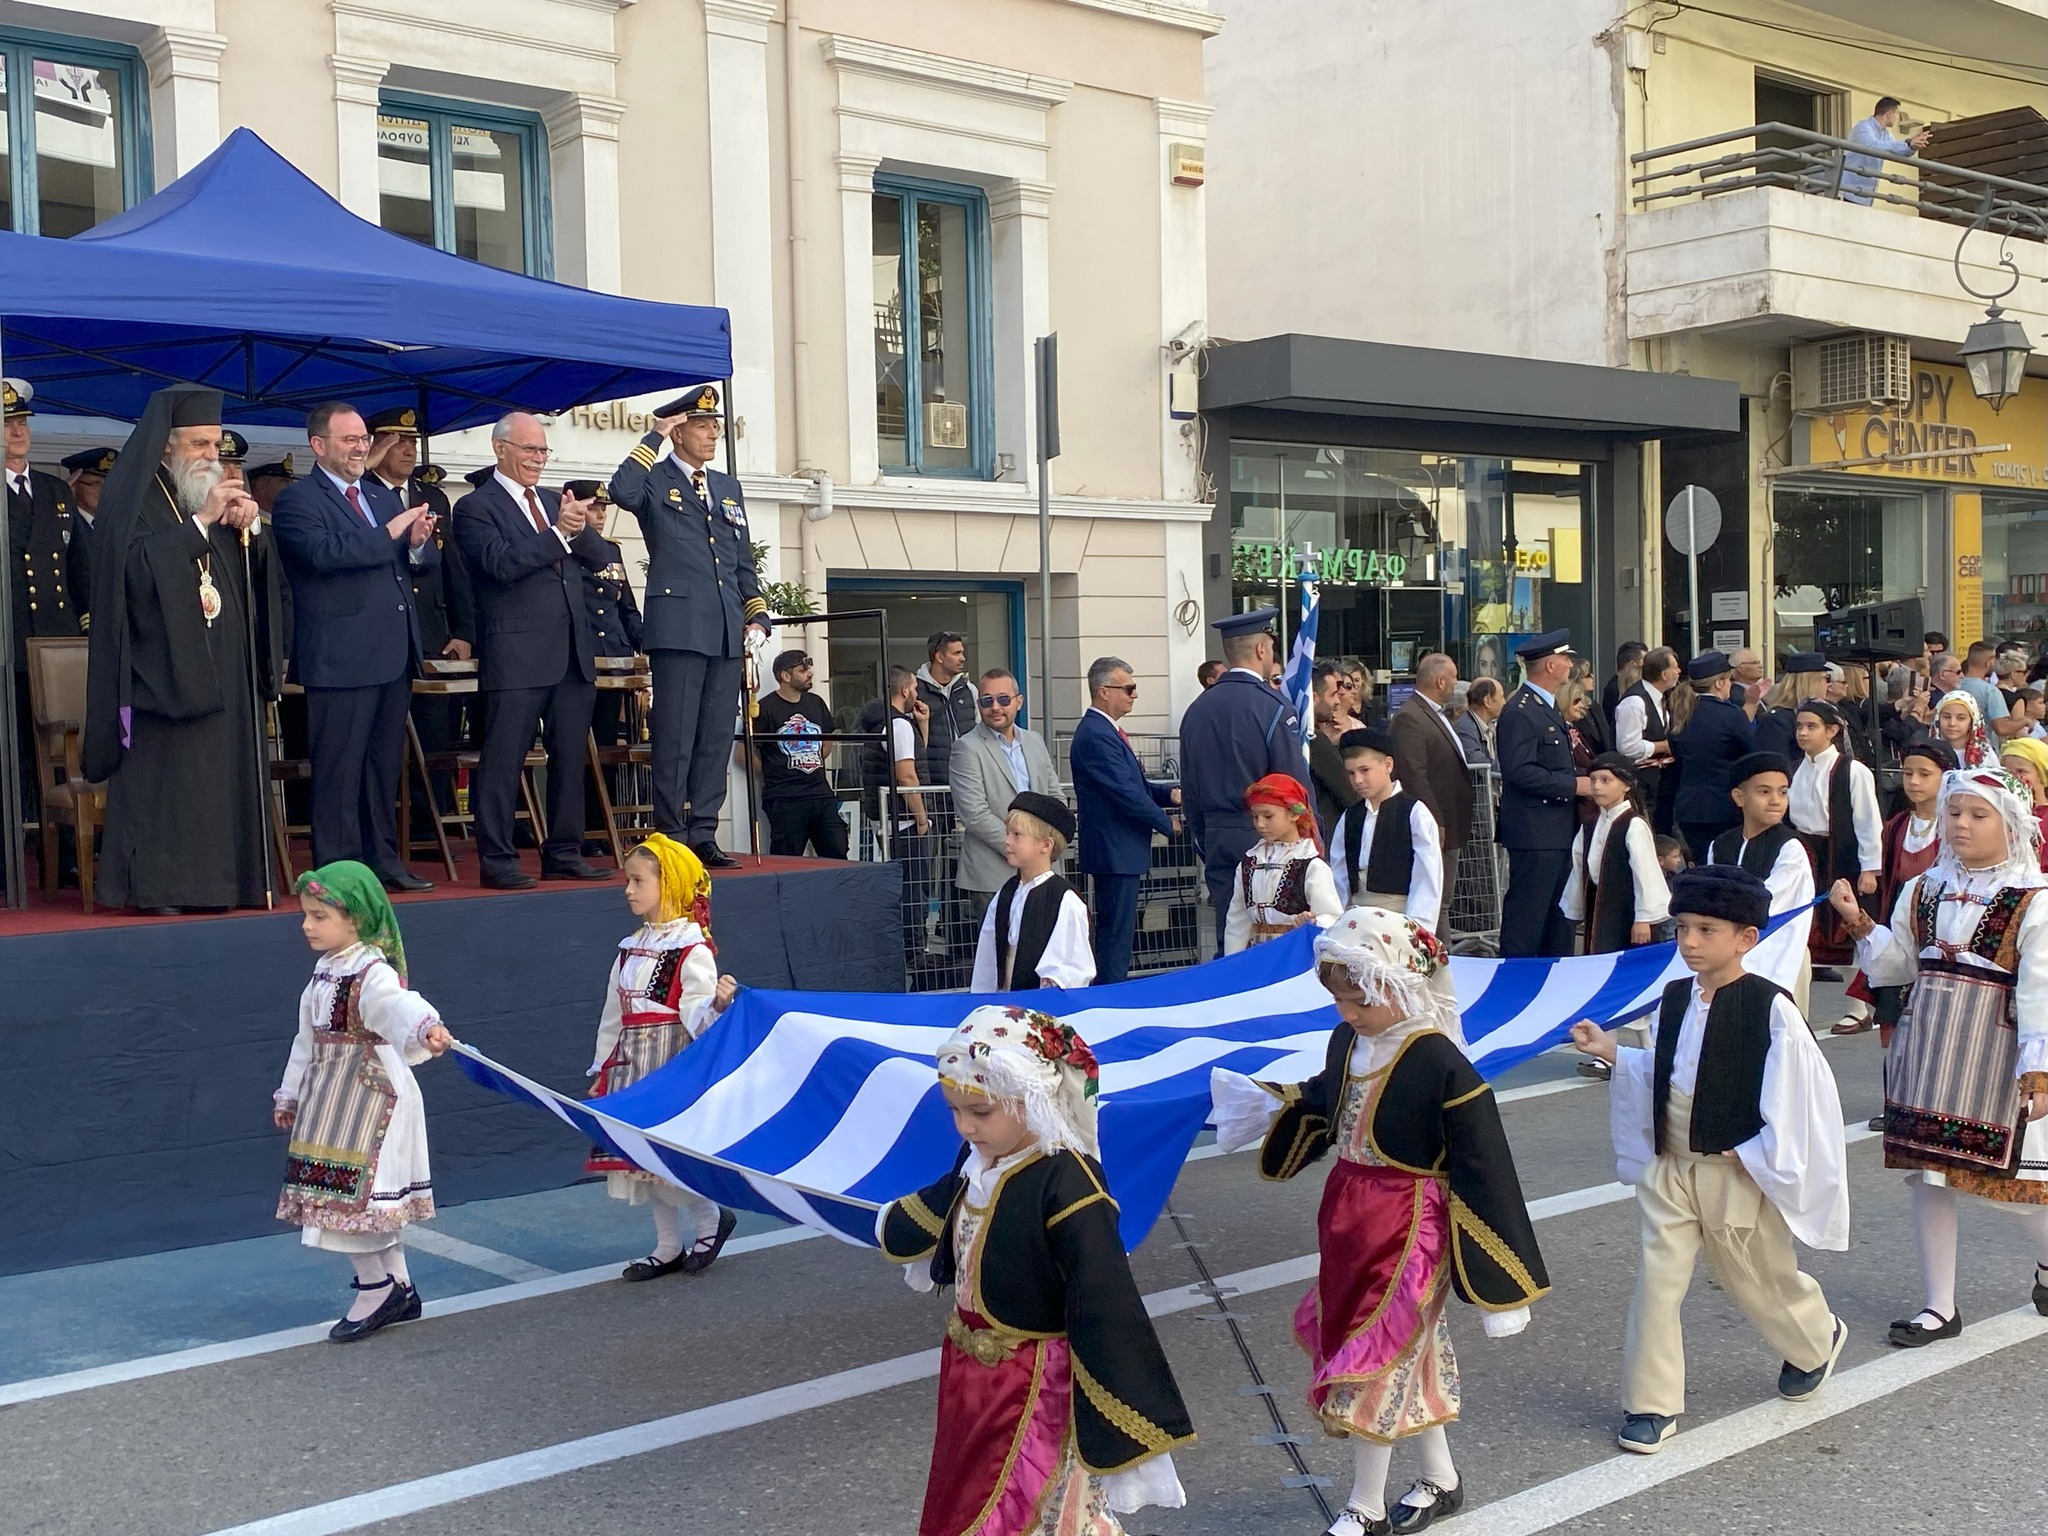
532	450
998	700
361	440
1131	689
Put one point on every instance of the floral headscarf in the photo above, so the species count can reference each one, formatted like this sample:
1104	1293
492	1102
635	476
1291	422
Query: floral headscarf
1394	959
355	891
685	887
1287	793
1976	751
1021	1056
2014	803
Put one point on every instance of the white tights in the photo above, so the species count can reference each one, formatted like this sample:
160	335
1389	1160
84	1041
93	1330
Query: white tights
669	1202
1370	1461
1934	1225
372	1270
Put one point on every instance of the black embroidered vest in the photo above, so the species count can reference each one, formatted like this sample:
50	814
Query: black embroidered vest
1041	915
1727	1100
1389	865
1609	903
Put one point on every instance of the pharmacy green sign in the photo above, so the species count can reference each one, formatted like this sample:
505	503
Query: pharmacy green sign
1333	567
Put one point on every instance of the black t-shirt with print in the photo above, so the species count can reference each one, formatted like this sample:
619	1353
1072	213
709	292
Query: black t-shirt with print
792	759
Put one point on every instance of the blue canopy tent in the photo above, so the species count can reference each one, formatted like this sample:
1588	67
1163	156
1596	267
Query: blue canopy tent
244	276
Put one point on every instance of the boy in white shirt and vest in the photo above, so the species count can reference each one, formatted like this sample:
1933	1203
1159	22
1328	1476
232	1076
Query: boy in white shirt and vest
1385	851
1035	933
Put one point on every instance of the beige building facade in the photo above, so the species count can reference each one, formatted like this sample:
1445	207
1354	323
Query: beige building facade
891	200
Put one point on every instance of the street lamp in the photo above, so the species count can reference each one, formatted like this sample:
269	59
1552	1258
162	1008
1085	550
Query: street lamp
1996	352
1414	538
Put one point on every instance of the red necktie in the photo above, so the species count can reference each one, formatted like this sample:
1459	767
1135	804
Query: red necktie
540	518
355	499
1122	737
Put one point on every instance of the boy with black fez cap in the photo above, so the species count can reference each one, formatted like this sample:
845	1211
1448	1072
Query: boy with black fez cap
1730	1128
1035	933
1385	850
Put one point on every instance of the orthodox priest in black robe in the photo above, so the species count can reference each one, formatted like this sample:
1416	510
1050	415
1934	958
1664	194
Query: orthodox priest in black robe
183	653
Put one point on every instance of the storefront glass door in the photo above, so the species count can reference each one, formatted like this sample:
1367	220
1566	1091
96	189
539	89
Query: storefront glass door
988	615
1841	547
2016	568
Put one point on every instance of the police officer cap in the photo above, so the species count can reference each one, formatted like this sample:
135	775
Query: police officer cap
94	461
1048	809
587	490
1707	667
430	474
1557	642
1367	738
280	469
400	418
702	401
234	448
1233	625
1806	661
17	396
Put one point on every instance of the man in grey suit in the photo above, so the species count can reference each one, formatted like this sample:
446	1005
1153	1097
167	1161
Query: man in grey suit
991	765
702	612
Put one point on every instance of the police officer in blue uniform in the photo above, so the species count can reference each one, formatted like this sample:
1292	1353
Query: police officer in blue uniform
1539	790
1718	734
703	612
1231	736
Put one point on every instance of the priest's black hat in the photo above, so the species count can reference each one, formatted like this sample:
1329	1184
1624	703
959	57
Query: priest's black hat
1367	738
194	407
1726	891
1748	767
1047	808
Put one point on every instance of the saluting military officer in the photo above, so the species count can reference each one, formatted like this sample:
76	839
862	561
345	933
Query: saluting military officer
704	612
1232	735
1539	790
87	472
43	569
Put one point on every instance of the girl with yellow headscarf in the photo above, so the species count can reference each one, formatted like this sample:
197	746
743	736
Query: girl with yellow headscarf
664	991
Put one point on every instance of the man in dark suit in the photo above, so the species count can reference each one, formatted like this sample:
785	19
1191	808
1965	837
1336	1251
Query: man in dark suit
1232	735
1119	808
1429	759
1538	802
46	571
530	555
350	547
87	471
703	612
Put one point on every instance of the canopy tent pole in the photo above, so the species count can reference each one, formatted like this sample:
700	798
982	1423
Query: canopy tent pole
749	679
11	858
259	737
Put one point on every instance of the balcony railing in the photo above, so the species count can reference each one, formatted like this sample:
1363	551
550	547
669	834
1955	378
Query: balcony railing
1777	155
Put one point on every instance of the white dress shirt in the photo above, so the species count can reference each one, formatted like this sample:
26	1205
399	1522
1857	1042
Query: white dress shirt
1269	868
412	554
1068	960
1809	810
518	494
1425	882
1444	720
1631	718
1790	881
1589	854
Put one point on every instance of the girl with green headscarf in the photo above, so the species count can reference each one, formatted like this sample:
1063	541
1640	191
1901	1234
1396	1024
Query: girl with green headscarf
356	1169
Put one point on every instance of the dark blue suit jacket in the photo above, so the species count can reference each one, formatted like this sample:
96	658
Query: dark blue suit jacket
1538	784
1119	808
353	621
701	589
533	599
1717	734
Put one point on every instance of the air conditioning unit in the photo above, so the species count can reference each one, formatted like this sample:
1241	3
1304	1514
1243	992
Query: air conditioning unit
1847	373
945	424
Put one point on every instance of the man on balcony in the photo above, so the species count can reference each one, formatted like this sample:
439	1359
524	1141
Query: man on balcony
1874	134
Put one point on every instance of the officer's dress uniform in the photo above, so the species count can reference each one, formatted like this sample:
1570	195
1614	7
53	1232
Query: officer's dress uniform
44	566
1538	814
701	594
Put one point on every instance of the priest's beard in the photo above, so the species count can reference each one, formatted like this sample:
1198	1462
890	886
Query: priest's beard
192	481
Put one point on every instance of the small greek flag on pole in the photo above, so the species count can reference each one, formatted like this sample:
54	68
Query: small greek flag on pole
1298	681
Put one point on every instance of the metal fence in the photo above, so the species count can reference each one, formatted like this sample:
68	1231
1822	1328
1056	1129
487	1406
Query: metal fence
1471	919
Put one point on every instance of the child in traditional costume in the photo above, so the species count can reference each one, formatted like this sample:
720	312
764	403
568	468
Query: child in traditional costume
1035	932
1057	1410
1959	725
1910	846
2027	760
1385	850
1767	847
1966	1078
356	1169
1730	1128
664	990
1283	881
1835	812
1617	886
1423	1199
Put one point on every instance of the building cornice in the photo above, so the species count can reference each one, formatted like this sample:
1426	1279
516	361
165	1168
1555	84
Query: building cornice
977	497
745	19
184	53
1167	13
1190	119
859	56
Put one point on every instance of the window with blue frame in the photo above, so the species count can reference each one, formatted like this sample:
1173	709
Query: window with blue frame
933	411
76	148
465	178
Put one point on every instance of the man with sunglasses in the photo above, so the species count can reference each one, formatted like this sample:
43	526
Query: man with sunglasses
1120	809
990	766
796	791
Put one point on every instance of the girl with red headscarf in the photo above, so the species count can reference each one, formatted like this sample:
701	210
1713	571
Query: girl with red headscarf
1284	880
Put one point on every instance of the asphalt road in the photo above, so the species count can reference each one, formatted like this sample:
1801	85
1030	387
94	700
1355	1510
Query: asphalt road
790	1389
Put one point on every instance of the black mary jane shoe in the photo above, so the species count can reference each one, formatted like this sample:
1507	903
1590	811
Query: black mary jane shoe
1403	1517
1354	1521
651	1268
2040	1292
700	1256
1907	1333
410	1312
388	1311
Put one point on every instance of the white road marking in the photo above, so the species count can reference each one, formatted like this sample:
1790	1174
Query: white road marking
1624	1476
474	1255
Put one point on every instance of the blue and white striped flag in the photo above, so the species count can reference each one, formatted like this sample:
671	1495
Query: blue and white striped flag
1298	681
821	1107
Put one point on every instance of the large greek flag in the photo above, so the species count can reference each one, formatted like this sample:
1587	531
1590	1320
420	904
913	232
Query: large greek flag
1298	682
821	1107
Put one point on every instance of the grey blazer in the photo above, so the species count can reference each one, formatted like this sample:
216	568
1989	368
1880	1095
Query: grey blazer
979	774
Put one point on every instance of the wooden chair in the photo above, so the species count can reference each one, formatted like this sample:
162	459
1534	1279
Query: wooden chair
450	679
286	771
56	693
630	675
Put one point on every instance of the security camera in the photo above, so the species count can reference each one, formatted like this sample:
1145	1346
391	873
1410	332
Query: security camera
1190	338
